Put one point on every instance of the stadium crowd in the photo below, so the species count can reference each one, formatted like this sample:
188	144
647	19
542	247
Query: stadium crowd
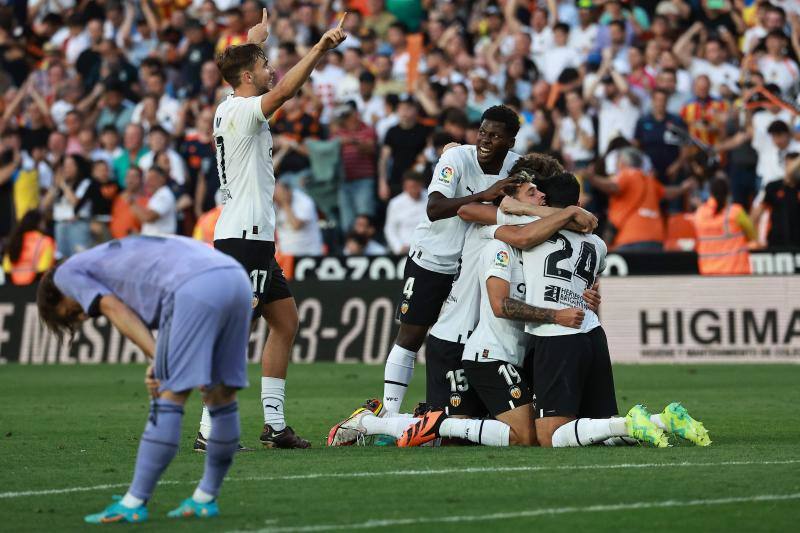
673	113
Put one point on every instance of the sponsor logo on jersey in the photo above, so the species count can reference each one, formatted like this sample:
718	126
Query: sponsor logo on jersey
515	392
564	296
455	399
446	175
404	307
501	259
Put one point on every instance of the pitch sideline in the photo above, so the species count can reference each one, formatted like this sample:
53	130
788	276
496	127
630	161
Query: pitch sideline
443	471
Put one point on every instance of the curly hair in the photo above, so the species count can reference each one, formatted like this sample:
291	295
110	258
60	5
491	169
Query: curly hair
536	164
48	298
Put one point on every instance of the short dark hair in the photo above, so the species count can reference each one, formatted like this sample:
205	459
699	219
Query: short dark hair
777	127
619	23
561	26
561	190
504	114
413	175
235	59
541	165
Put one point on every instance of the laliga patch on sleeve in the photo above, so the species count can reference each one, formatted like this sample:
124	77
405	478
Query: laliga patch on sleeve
446	175
501	259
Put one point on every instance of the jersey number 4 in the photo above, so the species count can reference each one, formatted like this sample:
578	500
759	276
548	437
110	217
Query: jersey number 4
584	268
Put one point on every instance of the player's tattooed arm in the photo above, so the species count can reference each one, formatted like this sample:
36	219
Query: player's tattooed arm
517	310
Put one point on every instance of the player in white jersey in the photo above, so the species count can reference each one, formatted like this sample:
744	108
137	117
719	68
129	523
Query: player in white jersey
246	226
573	383
464	174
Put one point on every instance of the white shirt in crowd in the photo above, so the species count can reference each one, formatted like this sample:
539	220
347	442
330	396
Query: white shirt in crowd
402	216
325	83
772	161
64	211
541	43
761	122
556	59
244	166
782	73
304	241
166	114
177	167
163	203
570	141
719	75
616	119
583	39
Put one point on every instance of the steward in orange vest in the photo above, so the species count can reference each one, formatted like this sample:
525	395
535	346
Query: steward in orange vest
723	233
30	252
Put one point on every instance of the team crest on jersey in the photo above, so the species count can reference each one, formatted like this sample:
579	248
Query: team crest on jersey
485	354
515	392
455	399
446	175
501	259
404	307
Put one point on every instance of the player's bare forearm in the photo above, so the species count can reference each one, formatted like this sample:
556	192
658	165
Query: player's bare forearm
441	207
477	212
516	310
534	233
128	323
291	82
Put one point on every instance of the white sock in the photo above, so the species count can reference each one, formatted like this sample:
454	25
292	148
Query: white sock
201	496
205	423
656	419
486	432
273	392
394	425
130	501
396	377
588	431
620	441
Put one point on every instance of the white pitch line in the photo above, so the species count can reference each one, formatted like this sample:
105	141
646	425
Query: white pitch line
442	471
548	511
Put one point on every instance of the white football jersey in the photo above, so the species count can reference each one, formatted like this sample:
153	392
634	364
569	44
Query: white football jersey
556	274
498	339
246	176
459	313
436	246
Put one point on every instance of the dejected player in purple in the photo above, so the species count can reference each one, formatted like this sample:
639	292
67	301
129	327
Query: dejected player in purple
198	300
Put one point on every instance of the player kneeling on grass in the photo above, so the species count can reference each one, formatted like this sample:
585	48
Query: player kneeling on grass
198	299
572	377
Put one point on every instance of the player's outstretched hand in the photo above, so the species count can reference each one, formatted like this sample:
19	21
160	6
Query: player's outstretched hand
259	33
512	206
571	318
333	37
496	190
584	219
592	297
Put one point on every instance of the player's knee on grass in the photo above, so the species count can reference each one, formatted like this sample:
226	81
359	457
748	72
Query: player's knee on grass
520	420
545	427
219	395
411	337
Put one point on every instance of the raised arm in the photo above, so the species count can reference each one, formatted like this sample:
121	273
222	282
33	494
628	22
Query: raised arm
683	46
298	74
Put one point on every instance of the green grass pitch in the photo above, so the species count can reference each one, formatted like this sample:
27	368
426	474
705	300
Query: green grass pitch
66	431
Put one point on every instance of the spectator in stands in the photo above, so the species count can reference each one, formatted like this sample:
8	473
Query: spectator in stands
158	140
723	233
104	192
782	199
30	252
574	135
10	161
70	199
114	109
291	125
359	149
364	228
133	150
633	205
618	111
297	223
159	217
403	145
123	221
196	51
405	211
167	107
656	136
704	114
772	154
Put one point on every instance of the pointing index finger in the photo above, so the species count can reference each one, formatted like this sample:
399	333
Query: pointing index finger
341	20
264	18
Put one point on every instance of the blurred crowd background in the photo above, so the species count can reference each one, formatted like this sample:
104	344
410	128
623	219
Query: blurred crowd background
676	115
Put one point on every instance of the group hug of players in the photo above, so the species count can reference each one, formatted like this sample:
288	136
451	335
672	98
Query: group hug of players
503	272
